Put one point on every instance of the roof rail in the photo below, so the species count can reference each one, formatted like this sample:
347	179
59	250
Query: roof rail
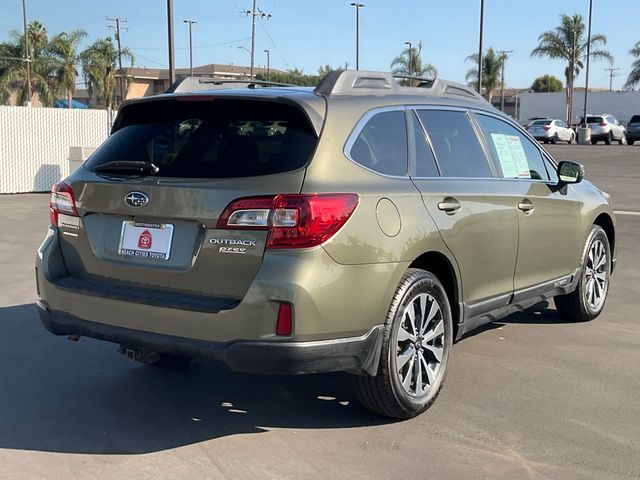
362	82
192	84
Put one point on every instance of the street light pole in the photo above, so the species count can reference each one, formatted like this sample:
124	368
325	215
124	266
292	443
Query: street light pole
503	54
268	65
190	22
358	7
27	59
586	83
172	67
480	47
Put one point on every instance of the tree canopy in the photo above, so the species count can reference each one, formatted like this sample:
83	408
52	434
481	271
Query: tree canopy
547	83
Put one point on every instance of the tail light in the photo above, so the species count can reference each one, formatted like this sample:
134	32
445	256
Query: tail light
547	127
62	201
292	220
602	123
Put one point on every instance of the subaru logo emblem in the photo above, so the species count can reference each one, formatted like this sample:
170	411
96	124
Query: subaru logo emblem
136	199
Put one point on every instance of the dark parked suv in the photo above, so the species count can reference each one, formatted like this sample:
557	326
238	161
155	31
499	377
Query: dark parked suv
633	130
360	226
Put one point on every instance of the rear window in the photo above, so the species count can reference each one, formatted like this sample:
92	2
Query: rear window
635	119
542	122
594	119
218	138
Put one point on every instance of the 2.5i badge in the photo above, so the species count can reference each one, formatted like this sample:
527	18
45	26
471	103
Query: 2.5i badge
232	245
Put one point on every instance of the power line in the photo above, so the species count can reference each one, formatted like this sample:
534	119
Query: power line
275	45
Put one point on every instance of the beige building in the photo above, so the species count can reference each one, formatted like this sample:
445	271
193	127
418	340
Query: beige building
143	82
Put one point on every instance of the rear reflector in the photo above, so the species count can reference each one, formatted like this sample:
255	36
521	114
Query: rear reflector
284	325
292	220
62	201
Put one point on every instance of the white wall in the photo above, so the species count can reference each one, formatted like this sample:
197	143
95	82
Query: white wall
622	105
34	144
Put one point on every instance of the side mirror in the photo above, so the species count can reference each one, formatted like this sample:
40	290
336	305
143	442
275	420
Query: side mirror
570	172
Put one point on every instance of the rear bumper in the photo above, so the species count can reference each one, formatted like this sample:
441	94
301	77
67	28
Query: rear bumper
356	354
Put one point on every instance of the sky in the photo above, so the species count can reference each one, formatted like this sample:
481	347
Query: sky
308	33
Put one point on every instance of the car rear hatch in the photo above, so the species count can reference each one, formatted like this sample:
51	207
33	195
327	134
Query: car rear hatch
149	199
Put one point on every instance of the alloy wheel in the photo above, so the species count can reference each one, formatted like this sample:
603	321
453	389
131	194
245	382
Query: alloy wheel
596	276
420	345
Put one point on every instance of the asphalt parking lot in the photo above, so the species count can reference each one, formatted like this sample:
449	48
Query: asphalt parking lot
526	397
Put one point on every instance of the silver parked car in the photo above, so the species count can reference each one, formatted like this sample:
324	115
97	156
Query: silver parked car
551	130
606	128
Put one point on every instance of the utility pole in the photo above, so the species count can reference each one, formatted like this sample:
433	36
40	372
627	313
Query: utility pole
268	65
611	75
358	7
586	82
572	66
480	59
503	54
172	66
27	58
190	22
254	12
118	21
410	58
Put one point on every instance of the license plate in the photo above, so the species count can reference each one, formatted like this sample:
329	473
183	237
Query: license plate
146	240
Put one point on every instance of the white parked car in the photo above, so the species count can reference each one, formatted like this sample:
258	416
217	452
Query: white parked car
606	128
551	130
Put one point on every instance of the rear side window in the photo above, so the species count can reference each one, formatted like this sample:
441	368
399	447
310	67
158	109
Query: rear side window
516	155
219	138
381	145
455	144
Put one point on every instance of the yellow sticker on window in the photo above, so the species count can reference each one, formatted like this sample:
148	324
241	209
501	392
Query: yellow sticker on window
511	155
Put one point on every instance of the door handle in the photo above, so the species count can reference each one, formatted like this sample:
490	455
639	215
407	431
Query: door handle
526	206
449	205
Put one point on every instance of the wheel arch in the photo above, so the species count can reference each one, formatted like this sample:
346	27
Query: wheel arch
443	268
606	223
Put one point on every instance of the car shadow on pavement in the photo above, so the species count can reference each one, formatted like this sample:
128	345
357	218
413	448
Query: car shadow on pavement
82	397
543	313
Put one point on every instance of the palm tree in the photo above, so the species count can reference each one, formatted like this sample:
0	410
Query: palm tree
409	63
64	48
491	71
13	74
633	80
100	70
568	42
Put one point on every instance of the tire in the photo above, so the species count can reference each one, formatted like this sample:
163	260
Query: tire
609	139
630	142
623	139
419	292
554	140
594	142
583	304
168	361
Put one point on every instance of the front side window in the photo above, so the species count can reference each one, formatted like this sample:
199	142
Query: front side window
514	153
381	145
455	144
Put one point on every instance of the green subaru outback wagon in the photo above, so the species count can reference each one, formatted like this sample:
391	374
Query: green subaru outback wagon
361	226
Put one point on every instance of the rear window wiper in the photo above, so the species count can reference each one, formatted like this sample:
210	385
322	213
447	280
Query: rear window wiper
131	167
